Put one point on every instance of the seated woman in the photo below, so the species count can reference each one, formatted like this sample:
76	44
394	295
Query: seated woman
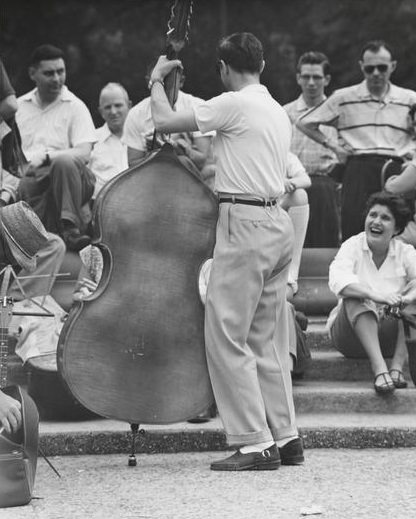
371	270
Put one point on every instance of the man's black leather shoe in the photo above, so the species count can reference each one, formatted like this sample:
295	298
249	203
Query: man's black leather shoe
74	240
292	452
269	459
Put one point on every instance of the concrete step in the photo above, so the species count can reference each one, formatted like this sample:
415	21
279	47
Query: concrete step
333	366
312	396
317	337
323	430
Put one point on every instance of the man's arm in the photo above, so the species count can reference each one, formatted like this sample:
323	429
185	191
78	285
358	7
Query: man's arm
8	107
198	151
311	129
165	119
404	182
81	151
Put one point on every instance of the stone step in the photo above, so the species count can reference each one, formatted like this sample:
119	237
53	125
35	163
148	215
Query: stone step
332	365
312	396
323	430
317	336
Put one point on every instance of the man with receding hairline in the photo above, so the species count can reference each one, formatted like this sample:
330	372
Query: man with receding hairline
57	137
373	124
109	155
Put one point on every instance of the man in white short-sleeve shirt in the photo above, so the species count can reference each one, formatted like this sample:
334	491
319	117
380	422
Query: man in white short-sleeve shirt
246	296
192	148
109	155
57	136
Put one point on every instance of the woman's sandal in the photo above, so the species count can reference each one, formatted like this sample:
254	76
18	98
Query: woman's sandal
387	385
398	378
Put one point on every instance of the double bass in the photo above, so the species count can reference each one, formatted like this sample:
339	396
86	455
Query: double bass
134	350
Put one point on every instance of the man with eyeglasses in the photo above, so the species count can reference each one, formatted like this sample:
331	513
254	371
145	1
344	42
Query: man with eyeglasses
313	75
372	119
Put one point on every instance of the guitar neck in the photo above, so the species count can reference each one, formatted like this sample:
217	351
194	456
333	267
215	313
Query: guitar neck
4	351
6	312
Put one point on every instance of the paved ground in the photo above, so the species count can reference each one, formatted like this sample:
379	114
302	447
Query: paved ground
337	484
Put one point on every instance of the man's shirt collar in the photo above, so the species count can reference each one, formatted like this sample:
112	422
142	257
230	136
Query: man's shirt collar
390	96
64	95
301	105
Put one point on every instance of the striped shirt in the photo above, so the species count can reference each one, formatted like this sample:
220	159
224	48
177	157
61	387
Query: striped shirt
63	124
368	125
316	159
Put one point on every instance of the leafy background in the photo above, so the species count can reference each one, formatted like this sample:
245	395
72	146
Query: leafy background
116	40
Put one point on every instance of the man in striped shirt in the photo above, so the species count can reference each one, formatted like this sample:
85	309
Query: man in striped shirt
372	119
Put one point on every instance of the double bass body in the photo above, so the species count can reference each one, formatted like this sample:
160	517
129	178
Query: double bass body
135	349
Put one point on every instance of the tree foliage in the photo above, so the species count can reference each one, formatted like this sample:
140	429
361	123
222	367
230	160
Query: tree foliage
117	40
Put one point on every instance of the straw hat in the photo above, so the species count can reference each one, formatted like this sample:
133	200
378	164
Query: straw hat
23	232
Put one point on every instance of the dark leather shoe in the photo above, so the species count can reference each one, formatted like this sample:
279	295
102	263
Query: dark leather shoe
74	240
292	452
200	418
268	459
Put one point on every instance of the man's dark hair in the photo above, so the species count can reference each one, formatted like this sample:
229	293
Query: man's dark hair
45	52
397	204
314	58
242	51
375	46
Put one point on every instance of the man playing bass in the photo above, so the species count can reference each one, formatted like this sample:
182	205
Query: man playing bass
245	305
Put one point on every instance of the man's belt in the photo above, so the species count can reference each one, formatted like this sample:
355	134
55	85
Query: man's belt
247	201
375	156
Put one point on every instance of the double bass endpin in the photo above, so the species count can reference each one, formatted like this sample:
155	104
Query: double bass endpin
134	431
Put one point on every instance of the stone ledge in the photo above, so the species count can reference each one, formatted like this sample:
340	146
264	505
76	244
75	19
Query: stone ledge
318	431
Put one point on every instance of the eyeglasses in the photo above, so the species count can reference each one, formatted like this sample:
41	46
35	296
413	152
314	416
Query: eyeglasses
369	69
308	77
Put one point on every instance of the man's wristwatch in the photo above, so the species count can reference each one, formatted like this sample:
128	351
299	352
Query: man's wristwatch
153	81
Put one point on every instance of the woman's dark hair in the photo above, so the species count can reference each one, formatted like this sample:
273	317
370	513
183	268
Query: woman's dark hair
242	51
399	207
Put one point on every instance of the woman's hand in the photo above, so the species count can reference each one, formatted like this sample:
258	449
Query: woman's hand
290	185
389	299
10	414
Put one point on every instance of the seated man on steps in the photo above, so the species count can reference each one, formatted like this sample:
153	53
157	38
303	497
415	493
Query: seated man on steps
194	149
50	256
109	155
22	235
57	136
